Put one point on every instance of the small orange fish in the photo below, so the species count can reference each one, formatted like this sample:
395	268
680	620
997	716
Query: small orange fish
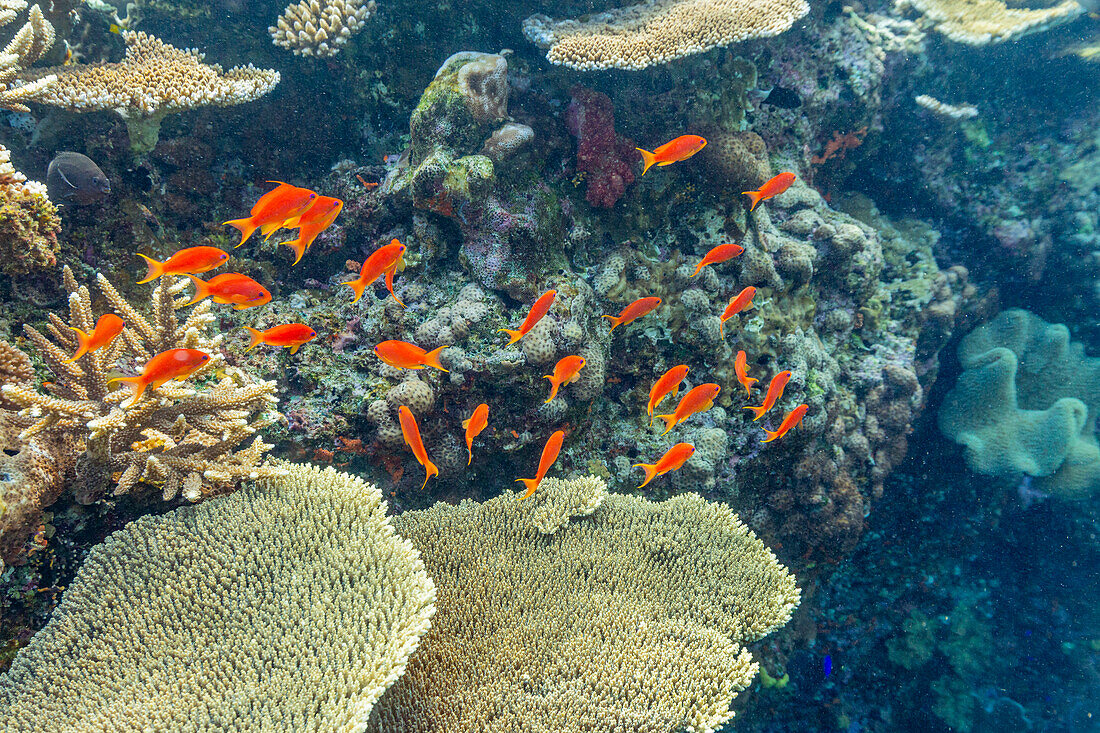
190	261
549	455
411	432
538	310
669	383
679	149
290	334
171	364
565	371
741	367
774	187
232	287
275	207
719	254
473	427
737	303
379	263
106	329
316	219
634	311
674	458
403	355
791	420
775	391
699	399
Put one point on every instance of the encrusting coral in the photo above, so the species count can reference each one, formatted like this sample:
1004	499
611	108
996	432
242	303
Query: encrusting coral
185	437
320	27
585	611
28	222
290	605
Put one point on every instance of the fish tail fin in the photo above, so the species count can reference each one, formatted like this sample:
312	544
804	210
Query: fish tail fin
615	321
513	336
553	387
758	412
648	158
202	290
257	338
470	450
698	268
756	196
772	435
432	358
670	422
749	382
358	287
531	484
135	382
429	471
650	471
156	269
82	341
299	249
244	226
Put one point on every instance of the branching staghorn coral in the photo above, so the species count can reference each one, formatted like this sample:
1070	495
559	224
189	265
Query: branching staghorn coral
320	27
27	46
184	436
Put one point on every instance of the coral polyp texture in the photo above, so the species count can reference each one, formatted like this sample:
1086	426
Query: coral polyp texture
1026	404
29	222
320	27
585	611
981	22
659	31
33	39
291	605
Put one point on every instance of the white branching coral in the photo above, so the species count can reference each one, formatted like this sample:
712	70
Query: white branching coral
981	22
27	46
320	27
185	436
943	109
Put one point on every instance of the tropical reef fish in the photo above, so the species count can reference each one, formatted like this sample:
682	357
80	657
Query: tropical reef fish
719	254
538	310
674	458
382	261
668	383
791	420
232	287
276	207
403	355
313	221
774	187
106	329
565	371
411	432
73	178
737	303
775	391
679	149
549	455
741	368
634	311
473	427
699	399
171	364
289	334
189	261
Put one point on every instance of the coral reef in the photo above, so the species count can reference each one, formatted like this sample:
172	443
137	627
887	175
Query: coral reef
320	27
981	22
605	158
27	46
29	222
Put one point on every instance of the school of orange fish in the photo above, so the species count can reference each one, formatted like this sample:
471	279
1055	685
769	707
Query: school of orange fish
291	207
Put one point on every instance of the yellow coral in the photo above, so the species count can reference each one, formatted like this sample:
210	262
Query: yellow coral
981	22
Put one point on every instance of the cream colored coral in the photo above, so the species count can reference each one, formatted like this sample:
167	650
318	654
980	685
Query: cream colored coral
288	606
27	46
659	31
630	618
981	22
943	109
559	500
320	27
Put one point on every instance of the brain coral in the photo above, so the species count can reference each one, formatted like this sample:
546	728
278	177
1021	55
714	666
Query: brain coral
1026	404
290	605
629	616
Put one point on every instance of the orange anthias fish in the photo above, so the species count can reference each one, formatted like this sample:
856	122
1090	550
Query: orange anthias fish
565	371
473	427
171	364
775	391
737	303
281	204
549	455
674	458
634	311
699	399
313	221
106	329
382	261
741	367
290	334
669	383
792	419
232	287
538	310
190	261
403	355
774	187
411	432
679	149
719	254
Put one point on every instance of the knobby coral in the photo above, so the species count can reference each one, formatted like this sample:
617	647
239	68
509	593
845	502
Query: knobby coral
290	605
28	222
320	27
